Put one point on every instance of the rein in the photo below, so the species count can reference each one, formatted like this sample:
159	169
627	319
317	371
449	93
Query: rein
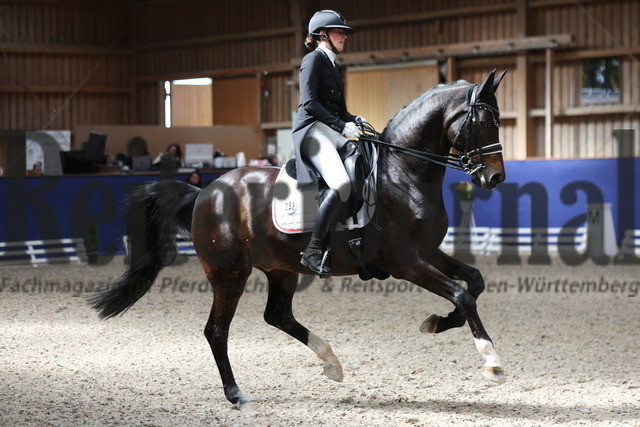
461	162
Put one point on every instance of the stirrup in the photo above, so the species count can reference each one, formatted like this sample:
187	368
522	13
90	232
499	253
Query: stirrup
325	258
321	272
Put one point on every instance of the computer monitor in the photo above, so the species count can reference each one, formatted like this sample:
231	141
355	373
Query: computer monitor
198	154
73	162
141	163
94	148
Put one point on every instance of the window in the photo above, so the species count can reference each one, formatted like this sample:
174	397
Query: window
600	81
188	102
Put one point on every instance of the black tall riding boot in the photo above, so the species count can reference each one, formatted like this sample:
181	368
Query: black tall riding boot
313	256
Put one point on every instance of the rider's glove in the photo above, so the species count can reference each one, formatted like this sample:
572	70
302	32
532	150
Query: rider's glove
351	130
360	120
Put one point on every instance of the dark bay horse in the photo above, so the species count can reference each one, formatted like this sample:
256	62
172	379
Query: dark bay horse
232	231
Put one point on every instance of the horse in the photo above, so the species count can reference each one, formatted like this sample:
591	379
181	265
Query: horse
230	224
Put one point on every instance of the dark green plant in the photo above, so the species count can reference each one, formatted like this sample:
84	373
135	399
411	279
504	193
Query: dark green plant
465	190
92	241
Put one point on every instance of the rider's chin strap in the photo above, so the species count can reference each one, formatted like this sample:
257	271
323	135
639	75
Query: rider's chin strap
333	48
326	37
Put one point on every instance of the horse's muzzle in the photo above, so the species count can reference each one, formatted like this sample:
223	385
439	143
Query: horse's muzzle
488	177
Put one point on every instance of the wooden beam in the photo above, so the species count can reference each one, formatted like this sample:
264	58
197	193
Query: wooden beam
597	53
452	71
522	18
86	4
297	20
61	49
560	55
426	16
599	110
525	140
219	73
223	38
275	125
65	89
525	136
485	47
556	3
548	101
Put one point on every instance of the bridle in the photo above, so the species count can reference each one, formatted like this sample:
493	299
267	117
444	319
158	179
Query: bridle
463	162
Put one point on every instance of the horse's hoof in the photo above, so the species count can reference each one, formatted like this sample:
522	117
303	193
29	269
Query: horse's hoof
239	399
495	374
430	326
246	406
334	372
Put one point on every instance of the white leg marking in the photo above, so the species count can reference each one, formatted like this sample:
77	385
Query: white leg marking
333	368
487	351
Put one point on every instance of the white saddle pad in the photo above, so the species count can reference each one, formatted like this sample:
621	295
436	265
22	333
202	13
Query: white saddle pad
295	211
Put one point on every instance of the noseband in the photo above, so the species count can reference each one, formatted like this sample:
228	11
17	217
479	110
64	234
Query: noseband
463	162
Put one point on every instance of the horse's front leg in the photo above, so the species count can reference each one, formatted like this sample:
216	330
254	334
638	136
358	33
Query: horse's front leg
454	269
430	278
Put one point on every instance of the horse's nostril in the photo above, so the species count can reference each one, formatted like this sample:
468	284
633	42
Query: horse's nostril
497	178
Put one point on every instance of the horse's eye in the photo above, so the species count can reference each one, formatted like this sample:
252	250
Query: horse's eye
484	123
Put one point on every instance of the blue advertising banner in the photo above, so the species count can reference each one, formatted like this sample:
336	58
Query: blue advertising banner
536	193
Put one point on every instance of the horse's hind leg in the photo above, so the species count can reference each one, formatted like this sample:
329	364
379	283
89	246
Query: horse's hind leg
226	294
454	269
279	313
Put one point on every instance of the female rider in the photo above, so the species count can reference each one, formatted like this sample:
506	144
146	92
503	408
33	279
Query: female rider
322	125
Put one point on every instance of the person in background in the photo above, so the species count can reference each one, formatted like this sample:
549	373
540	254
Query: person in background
37	170
321	126
173	153
195	179
136	146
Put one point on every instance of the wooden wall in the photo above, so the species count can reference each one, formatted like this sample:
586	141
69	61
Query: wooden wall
65	63
467	38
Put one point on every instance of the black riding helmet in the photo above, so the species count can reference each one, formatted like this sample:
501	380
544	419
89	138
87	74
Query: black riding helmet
328	19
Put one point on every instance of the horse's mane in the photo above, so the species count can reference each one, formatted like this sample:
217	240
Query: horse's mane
421	102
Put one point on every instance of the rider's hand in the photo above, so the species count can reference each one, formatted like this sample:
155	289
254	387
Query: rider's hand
351	130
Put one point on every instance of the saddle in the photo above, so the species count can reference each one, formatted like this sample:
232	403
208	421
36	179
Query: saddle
294	209
300	204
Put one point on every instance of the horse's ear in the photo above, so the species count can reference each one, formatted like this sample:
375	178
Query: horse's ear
487	85
497	81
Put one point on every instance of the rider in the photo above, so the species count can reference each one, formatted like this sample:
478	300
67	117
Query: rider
322	125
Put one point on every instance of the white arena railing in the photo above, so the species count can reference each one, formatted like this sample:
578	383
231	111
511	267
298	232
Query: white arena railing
184	243
496	240
630	243
37	252
479	240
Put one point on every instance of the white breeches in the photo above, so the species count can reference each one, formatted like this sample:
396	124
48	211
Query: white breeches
320	147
